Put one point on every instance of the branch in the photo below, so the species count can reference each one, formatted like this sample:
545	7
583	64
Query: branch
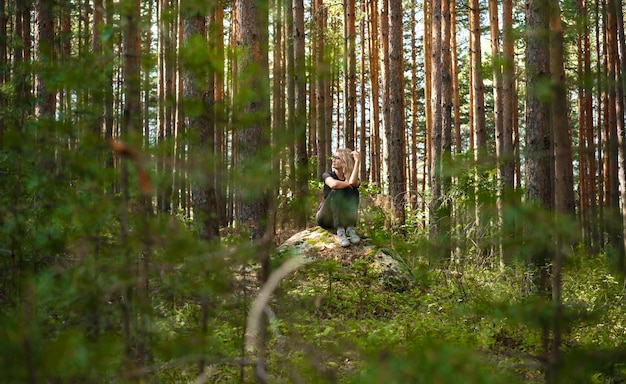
256	310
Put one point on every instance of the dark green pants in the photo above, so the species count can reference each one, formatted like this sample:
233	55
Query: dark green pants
339	209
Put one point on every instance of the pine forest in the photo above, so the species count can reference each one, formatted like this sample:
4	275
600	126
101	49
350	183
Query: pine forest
162	163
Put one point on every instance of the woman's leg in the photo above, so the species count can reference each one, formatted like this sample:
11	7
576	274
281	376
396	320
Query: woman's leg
345	204
324	216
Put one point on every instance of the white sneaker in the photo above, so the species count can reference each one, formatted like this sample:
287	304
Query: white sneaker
352	236
343	240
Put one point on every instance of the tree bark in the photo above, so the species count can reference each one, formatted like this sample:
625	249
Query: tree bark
291	95
45	105
538	138
278	95
321	74
413	145
494	27
506	156
445	220
302	161
587	167
396	143
135	347
564	174
46	98
374	75
436	153
538	143
478	111
384	51
253	116
617	146
428	109
564	177
350	72
455	79
362	100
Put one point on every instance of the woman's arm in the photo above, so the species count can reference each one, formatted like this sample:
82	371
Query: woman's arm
354	177
336	184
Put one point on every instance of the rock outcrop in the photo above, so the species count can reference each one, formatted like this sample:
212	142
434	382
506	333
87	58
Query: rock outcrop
317	244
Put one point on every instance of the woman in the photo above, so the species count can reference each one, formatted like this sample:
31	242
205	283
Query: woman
341	197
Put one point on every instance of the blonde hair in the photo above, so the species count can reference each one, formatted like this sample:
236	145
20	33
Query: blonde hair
345	156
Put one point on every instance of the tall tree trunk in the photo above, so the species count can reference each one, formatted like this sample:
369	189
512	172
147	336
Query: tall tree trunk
436	152
22	55
311	116
506	157
147	77
196	90
108	92
613	139
494	27
587	167
564	175
278	96
232	73
215	111
46	99
216	36
135	353
45	106
478	110
318	83
538	141
302	161
97	95
397	149
538	138
428	108
253	116
329	97
166	161
362	99
163	196
291	95
446	122
69	98
599	124
374	75
384	51
413	171
455	79
132	73
620	104
350	72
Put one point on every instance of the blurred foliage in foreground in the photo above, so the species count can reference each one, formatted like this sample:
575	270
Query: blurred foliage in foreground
75	308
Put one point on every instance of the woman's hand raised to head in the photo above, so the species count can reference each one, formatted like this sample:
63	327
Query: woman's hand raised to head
353	179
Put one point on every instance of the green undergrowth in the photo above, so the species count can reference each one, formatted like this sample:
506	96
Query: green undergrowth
454	324
330	322
431	333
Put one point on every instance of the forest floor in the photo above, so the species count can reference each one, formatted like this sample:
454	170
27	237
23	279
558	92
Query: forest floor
339	324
